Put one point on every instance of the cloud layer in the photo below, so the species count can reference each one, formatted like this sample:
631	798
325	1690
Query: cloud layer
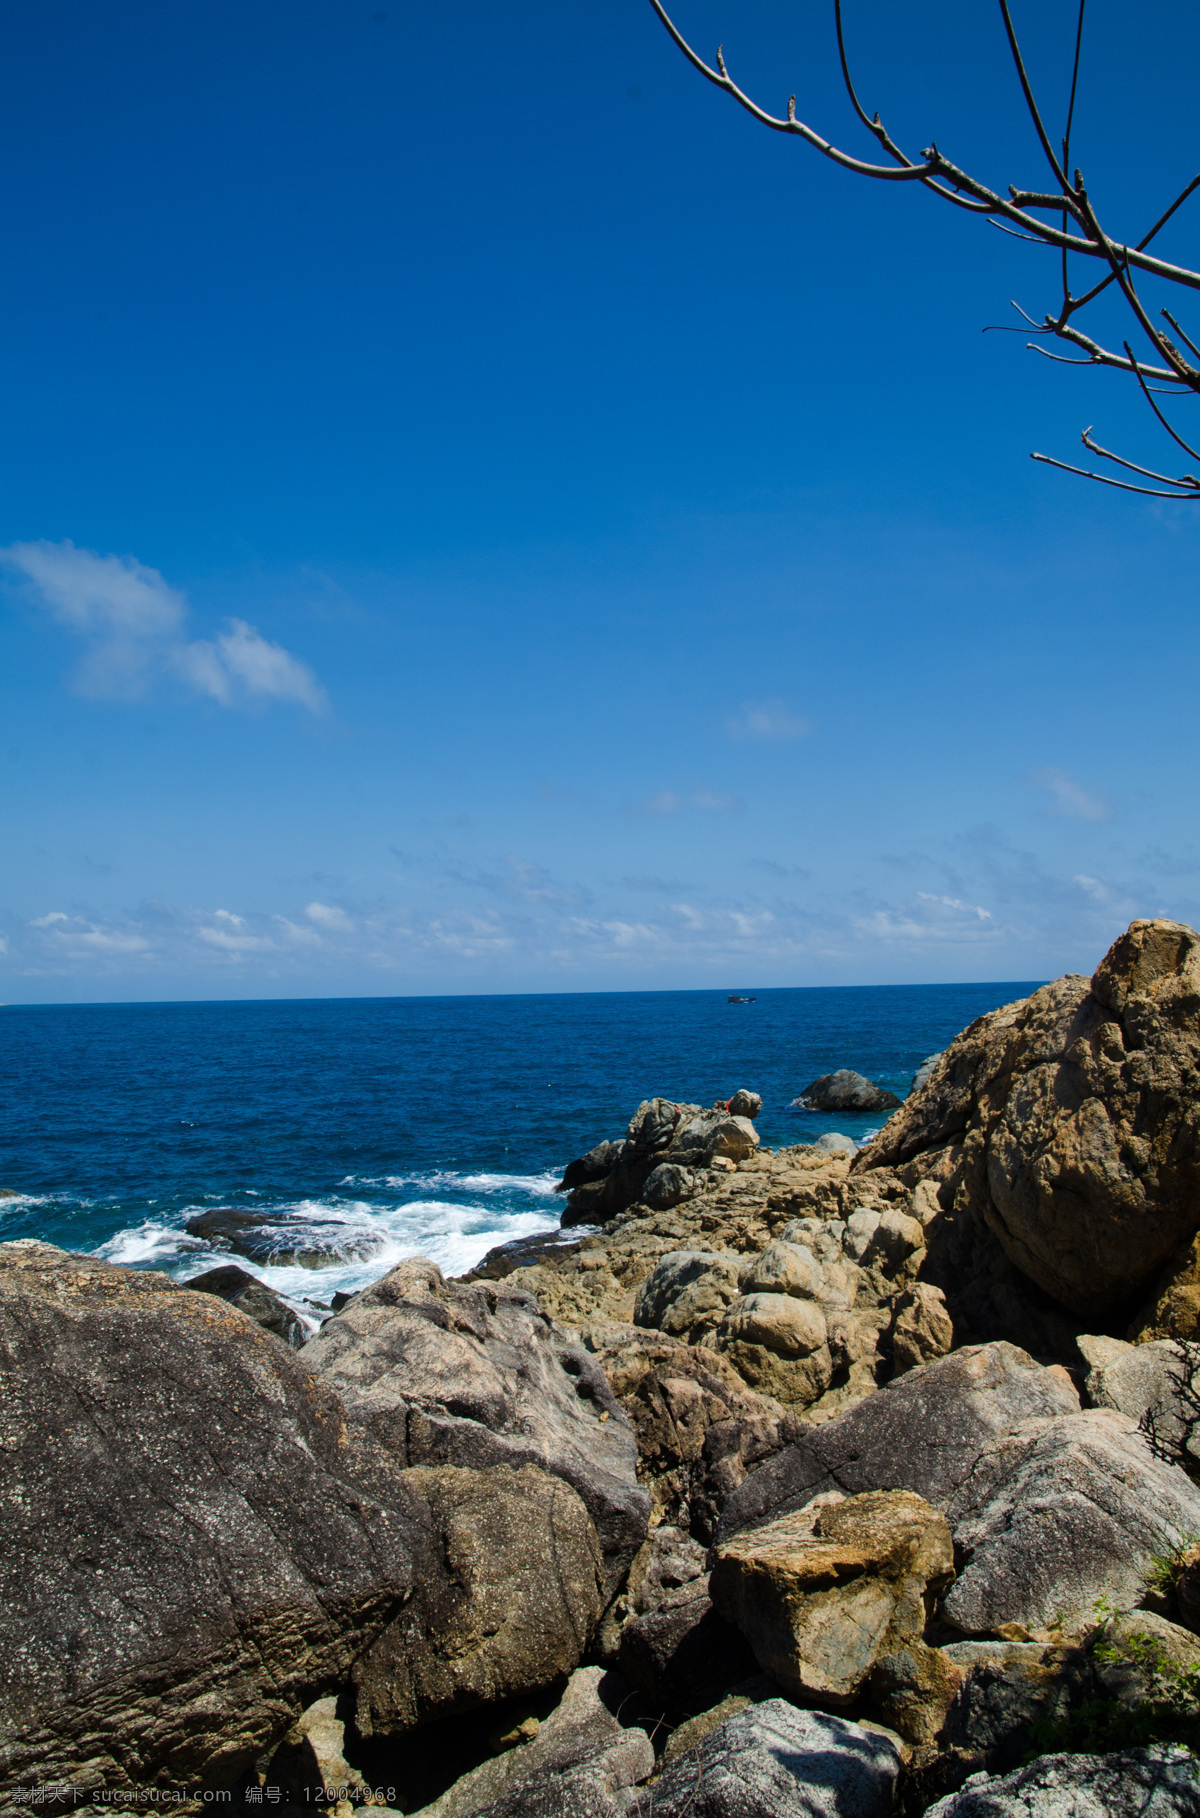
134	624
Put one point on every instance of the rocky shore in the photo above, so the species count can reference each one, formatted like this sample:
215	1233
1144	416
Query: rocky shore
812	1482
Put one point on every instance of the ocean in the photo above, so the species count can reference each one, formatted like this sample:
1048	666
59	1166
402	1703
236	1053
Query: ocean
393	1127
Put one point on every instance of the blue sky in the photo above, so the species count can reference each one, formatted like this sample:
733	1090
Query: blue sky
479	514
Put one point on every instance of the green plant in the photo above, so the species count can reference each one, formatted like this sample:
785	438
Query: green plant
1162	1574
1169	1711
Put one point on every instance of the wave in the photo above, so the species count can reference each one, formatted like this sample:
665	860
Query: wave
356	1242
450	1180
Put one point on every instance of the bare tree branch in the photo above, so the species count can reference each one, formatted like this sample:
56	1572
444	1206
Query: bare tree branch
1073	226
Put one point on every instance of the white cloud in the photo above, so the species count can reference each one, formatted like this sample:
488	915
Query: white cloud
134	622
325	916
48	921
769	720
1068	798
667	801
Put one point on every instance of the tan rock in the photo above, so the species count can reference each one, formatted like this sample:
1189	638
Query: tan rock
781	1322
825	1594
782	1268
923	1328
1076	1120
797	1382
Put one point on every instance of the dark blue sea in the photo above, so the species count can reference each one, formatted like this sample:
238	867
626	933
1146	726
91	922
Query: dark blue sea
432	1126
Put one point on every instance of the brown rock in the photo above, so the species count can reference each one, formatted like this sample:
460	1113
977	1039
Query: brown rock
194	1545
1078	1121
518	1599
825	1594
923	1328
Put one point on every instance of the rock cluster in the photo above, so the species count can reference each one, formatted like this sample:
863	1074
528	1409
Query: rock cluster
812	1482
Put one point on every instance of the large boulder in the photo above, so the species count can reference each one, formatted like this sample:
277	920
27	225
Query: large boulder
846	1091
924	1432
576	1764
1059	1515
690	1410
441	1372
1156	1384
518	1597
832	1597
687	1292
1157	1782
1068	1123
774	1761
683	1655
194	1545
253	1297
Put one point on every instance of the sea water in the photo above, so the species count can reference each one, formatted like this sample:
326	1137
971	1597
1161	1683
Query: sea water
433	1126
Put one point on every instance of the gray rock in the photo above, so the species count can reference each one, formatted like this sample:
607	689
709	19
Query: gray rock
590	1167
254	1298
1158	1782
512	1608
287	1239
1152	1384
925	1432
745	1104
574	1767
846	1091
714	1133
1058	1514
666	1185
440	1372
774	1761
834	1143
194	1547
782	1268
923	1072
683	1655
687	1289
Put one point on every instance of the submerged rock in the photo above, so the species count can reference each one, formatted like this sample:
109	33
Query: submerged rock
278	1240
846	1091
254	1298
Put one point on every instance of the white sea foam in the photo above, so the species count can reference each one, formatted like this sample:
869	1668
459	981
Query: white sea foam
150	1245
454	1234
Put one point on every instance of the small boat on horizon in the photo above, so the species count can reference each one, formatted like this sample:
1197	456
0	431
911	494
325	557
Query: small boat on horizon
733	999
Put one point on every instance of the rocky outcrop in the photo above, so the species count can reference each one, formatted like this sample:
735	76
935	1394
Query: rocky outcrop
925	1432
834	1597
846	1091
1156	1384
513	1607
774	1761
195	1546
575	1764
1158	1782
1068	1126
662	1159
475	1374
1060	1514
254	1298
698	1427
